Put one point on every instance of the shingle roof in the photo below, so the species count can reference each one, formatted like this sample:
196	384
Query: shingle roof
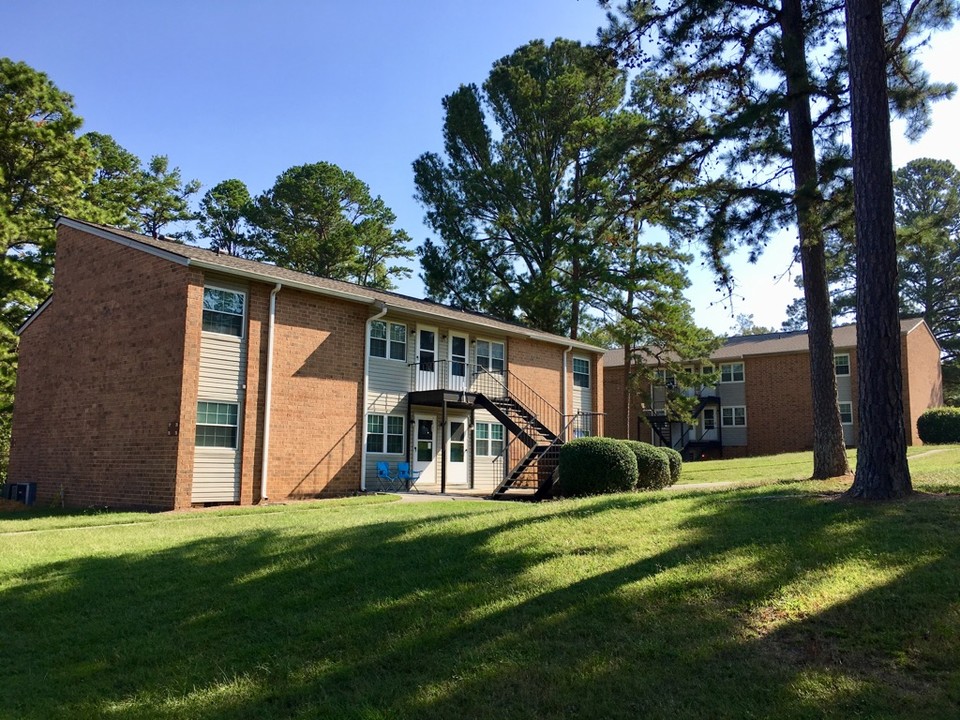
844	336
231	265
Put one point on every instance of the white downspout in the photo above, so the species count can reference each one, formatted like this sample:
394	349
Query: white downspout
366	382
264	465
563	394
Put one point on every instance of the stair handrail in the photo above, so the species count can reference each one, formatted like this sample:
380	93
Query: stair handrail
524	395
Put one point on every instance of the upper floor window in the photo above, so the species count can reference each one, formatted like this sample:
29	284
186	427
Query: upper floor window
223	311
665	378
731	372
388	340
841	364
581	372
733	416
490	355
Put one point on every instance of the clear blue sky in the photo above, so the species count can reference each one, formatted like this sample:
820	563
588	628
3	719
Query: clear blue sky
248	89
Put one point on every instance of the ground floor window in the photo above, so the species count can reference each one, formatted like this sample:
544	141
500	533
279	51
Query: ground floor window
489	439
217	424
385	434
733	416
846	413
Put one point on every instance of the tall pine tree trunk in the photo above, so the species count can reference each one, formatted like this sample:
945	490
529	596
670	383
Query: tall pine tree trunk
882	470
829	453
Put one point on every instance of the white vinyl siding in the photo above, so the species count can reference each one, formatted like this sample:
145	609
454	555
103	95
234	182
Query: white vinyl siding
582	396
221	378
488	469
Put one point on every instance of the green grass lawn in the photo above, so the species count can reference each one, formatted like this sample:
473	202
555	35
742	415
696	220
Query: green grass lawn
794	466
775	600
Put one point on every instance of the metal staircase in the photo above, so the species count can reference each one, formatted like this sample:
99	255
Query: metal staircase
537	427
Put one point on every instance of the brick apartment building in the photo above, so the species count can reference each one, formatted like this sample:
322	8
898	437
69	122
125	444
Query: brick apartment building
162	376
762	403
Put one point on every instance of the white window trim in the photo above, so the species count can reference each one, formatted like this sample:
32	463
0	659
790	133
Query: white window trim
847	356
743	370
389	341
733	416
197	423
489	439
573	367
476	356
839	405
386	434
243	317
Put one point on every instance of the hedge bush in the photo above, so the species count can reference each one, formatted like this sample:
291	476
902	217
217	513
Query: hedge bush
596	465
939	425
653	467
676	463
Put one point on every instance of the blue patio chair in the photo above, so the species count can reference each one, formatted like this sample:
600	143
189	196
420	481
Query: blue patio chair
385	478
408	476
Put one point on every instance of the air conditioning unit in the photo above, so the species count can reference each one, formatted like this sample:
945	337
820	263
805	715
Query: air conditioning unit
25	493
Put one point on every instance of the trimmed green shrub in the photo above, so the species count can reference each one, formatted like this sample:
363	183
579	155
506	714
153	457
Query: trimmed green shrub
676	463
939	425
596	465
653	467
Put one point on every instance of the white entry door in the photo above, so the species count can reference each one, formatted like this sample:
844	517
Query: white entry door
458	362
458	474
426	358
708	424
425	448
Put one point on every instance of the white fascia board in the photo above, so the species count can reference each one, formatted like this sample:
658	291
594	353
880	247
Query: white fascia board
34	315
266	277
120	239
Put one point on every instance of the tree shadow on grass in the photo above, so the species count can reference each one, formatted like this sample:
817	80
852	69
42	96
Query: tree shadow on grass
560	610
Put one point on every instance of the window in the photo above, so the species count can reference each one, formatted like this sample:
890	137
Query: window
393	346
841	364
581	372
846	413
667	379
731	372
489	439
709	419
385	434
490	355
223	311
734	416
216	424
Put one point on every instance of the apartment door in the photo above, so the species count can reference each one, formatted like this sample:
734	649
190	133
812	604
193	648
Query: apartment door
458	468
426	358
458	362
424	449
708	424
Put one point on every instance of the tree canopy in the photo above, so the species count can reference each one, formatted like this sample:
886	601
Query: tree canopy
769	83
320	219
535	220
223	218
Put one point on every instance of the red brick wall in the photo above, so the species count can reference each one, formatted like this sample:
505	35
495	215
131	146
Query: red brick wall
251	448
614	403
923	384
779	406
599	397
100	379
316	407
539	365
